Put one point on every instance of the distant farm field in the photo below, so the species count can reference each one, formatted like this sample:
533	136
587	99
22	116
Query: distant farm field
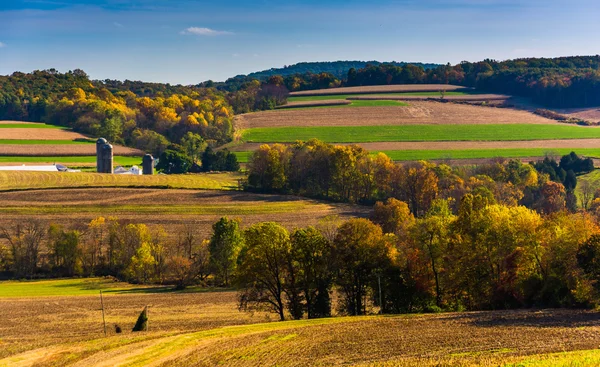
28	125
18	180
207	329
45	142
425	154
417	112
359	134
343	104
346	96
83	160
172	209
402	88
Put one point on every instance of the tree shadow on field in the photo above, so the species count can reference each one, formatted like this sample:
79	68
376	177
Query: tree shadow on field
546	318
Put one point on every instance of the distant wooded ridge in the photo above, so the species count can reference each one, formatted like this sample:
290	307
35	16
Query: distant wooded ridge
339	69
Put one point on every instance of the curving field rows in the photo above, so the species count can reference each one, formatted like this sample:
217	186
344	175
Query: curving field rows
43	180
465	339
402	88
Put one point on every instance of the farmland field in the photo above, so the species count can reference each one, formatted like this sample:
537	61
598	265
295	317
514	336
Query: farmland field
417	112
346	96
42	180
360	134
206	328
79	161
173	209
404	88
343	104
442	154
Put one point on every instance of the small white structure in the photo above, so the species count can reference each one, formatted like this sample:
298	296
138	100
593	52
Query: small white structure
46	168
134	170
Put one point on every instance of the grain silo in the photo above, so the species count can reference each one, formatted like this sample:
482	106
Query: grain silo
148	164
99	144
107	158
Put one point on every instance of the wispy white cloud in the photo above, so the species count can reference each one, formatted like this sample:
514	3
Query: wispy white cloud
200	31
2	44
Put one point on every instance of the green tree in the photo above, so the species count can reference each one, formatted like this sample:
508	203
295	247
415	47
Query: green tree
142	264
311	257
224	247
263	268
194	144
172	162
360	251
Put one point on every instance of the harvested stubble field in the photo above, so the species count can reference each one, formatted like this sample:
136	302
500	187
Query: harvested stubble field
399	133
409	97
37	133
65	150
417	112
12	180
173	209
206	329
401	88
80	161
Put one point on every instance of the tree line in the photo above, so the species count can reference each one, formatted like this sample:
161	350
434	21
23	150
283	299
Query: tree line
558	82
152	117
351	174
484	256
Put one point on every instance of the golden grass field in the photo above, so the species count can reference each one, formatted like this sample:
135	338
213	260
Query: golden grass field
173	209
417	112
380	89
207	329
18	180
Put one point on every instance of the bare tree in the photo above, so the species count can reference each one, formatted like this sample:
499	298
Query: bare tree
587	190
25	241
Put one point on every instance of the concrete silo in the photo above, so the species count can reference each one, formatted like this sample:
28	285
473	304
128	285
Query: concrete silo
107	158
148	164
99	144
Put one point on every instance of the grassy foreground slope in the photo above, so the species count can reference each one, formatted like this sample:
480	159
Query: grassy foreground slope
364	134
15	180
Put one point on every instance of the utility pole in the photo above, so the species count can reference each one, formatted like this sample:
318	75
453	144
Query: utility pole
380	297
103	319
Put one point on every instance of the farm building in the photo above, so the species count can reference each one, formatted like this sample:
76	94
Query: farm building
44	168
134	170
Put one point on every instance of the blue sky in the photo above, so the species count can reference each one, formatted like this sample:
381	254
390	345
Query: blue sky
187	41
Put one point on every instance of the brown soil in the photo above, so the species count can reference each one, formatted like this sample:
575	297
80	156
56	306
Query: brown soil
329	102
418	112
39	134
62	150
379	89
590	114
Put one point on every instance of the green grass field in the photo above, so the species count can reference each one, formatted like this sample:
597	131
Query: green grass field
362	103
412	155
30	126
364	134
63	287
346	96
20	180
118	160
44	142
176	209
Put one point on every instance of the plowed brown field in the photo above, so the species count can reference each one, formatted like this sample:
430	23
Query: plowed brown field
38	134
62	150
418	112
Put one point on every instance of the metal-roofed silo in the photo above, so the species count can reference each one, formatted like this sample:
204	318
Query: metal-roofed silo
148	164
